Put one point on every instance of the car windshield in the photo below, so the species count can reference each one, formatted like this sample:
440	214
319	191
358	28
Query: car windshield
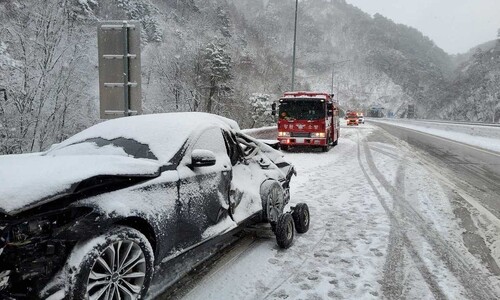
100	146
301	109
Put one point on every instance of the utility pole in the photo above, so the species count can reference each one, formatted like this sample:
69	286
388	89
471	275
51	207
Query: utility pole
294	44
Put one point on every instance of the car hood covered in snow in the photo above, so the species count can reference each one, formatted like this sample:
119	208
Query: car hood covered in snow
29	180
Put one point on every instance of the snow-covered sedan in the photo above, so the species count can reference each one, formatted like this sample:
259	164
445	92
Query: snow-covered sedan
95	215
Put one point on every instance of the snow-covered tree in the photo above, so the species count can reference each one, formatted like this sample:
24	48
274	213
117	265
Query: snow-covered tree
217	67
261	110
45	84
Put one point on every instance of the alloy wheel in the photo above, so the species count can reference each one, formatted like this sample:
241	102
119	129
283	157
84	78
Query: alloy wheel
118	273
274	204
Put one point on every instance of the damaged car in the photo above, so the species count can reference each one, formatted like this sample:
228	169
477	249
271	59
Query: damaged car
96	215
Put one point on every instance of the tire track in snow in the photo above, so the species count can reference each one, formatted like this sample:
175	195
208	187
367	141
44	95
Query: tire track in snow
471	279
393	280
394	275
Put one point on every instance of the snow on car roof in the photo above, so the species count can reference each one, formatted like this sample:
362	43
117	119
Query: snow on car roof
164	133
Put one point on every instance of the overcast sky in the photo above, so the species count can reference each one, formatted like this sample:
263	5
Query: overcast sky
454	25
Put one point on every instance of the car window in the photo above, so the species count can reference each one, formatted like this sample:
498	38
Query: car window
233	150
211	139
101	146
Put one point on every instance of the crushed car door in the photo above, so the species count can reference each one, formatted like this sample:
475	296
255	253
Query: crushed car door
247	176
203	192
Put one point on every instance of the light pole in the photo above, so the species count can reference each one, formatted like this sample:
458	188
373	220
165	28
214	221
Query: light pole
495	108
333	67
294	44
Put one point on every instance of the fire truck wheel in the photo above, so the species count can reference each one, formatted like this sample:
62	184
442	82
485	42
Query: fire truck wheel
301	218
336	142
284	231
284	147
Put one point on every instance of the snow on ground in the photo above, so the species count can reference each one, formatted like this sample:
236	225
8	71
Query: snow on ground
487	137
381	227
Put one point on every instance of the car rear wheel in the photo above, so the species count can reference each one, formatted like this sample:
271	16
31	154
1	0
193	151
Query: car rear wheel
115	265
273	201
285	231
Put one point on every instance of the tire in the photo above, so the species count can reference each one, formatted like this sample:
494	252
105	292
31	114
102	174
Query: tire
284	147
336	142
98	256
273	201
301	217
285	231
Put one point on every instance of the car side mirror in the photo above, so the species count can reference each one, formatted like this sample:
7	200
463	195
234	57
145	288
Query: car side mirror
273	109
330	112
202	158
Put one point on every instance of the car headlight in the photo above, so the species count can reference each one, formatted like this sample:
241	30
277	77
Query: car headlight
23	232
40	227
318	135
283	134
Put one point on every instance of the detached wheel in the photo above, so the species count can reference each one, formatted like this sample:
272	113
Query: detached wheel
273	201
301	217
285	231
115	265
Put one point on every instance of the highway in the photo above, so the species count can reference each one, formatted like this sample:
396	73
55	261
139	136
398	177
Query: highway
395	214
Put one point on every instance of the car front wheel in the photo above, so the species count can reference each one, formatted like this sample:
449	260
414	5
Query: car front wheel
115	265
284	231
273	201
301	217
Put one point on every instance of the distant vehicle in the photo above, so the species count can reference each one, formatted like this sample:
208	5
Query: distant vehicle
308	119
352	118
361	118
95	215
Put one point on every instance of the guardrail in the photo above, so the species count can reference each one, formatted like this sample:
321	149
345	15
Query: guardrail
262	133
474	129
439	121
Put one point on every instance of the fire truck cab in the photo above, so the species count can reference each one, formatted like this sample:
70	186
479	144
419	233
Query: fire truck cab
352	118
308	119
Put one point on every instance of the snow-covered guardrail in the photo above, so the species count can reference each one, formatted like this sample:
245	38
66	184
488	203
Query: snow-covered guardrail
270	132
486	136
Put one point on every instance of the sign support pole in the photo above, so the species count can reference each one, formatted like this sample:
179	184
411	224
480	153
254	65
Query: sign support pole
126	75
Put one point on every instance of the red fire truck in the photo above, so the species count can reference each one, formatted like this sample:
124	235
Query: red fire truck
308	119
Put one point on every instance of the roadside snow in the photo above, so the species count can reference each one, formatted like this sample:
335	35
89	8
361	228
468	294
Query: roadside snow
485	137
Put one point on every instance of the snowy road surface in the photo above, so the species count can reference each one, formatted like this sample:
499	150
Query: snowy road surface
388	220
